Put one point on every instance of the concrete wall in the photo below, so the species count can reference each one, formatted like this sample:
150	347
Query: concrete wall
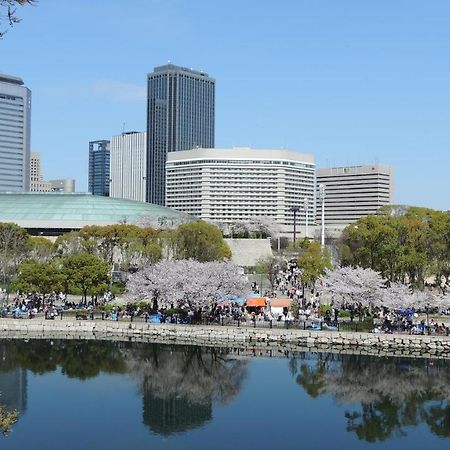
246	252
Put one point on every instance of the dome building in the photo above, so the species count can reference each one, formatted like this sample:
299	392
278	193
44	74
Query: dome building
52	214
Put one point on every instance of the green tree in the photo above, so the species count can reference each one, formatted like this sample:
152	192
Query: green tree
201	241
405	244
41	248
39	277
87	272
313	262
14	245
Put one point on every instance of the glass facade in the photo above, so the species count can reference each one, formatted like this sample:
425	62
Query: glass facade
180	116
15	107
99	161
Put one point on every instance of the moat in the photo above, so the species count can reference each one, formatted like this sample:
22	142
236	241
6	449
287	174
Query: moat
107	395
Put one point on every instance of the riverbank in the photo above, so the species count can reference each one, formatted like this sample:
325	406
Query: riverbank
258	341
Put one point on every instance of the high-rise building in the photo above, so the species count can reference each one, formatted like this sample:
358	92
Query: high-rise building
37	183
355	191
99	158
128	166
15	124
230	185
180	116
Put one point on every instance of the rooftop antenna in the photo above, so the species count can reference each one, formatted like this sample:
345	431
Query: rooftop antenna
123	128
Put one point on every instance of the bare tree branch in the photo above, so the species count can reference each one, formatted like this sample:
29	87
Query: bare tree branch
8	9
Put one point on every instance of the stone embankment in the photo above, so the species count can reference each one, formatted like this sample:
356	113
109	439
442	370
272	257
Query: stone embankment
260	341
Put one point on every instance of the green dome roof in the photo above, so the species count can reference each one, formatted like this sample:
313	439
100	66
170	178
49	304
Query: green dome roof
61	210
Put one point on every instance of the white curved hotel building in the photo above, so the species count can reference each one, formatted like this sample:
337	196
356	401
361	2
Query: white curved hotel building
232	184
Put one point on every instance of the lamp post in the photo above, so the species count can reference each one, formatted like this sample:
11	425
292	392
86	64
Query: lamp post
305	206
295	210
322	199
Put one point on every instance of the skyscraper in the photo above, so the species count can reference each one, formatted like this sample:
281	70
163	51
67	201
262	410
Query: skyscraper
99	168
180	116
15	115
128	165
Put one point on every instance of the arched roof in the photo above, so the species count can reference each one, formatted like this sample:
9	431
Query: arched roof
73	211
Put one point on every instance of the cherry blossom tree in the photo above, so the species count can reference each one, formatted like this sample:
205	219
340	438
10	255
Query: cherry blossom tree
164	222
264	226
365	287
353	285
255	226
186	283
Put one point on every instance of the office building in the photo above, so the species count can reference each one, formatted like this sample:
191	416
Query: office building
229	185
99	168
37	182
180	116
128	166
355	191
15	123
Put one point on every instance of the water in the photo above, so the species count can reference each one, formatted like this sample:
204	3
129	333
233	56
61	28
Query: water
105	395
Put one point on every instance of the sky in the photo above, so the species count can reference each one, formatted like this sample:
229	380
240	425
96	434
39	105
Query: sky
350	81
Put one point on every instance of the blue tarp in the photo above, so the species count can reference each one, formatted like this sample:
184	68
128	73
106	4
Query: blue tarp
154	318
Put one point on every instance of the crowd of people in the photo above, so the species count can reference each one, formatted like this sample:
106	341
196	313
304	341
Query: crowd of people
305	308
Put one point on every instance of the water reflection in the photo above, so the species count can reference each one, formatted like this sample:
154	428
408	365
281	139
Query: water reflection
179	385
13	390
382	396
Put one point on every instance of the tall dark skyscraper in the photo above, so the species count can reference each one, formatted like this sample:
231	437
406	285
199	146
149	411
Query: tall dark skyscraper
99	160
180	116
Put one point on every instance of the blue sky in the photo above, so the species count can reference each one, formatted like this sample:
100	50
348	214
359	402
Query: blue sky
351	81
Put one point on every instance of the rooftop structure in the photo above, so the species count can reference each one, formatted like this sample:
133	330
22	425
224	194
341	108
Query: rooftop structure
56	213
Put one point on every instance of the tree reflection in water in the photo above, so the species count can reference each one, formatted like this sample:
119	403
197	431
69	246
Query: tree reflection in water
179	384
393	393
76	359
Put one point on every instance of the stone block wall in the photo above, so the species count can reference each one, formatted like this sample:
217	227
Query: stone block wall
275	340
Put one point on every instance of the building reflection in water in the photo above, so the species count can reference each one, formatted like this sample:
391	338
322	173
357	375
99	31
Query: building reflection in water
13	390
180	385
170	415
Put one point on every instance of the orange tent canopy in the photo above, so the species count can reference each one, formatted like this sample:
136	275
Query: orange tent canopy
281	302
258	301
